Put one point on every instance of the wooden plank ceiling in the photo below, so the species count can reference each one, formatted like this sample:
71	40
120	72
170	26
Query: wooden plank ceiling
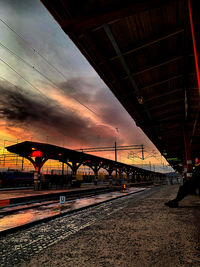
143	51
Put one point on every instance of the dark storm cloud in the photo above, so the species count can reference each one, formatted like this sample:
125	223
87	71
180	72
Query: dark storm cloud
98	98
29	111
101	100
80	88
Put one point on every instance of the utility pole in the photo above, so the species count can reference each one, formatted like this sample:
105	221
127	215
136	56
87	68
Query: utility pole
115	151
22	164
116	155
142	152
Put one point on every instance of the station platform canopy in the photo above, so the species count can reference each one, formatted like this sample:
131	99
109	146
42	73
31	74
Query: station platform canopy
144	52
46	151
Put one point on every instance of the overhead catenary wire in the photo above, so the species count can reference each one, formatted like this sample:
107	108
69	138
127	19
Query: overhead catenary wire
24	78
35	69
28	44
32	48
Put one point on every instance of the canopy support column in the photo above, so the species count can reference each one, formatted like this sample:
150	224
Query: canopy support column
37	163
74	167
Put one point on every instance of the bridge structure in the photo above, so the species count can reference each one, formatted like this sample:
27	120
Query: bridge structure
148	53
39	153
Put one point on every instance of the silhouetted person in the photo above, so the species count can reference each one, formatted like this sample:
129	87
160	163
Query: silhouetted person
189	187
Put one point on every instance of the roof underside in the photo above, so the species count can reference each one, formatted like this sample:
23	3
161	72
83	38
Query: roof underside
143	51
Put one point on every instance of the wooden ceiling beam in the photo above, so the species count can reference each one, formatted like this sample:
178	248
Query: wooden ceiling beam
153	66
156	96
151	41
169	118
166	104
168	111
167	123
161	82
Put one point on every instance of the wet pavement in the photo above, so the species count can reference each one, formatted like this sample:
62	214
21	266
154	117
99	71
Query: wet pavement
37	213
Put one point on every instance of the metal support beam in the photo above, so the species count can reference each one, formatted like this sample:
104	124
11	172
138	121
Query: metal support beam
123	62
126	68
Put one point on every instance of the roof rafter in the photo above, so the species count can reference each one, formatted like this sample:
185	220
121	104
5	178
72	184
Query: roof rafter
167	111
163	81
151	67
175	101
152	41
156	96
125	66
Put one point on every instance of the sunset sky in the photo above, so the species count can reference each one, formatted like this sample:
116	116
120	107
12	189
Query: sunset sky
50	93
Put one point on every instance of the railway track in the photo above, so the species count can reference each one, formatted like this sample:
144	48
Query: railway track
48	200
25	215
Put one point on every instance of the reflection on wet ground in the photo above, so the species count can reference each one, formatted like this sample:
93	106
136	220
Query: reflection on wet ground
37	213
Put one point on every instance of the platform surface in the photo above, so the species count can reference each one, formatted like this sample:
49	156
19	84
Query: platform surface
133	232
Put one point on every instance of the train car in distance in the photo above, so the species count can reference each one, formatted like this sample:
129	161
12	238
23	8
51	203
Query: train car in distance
15	178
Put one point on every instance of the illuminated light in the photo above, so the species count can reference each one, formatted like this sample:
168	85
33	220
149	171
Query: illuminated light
33	148
59	154
123	186
197	162
36	153
101	162
140	100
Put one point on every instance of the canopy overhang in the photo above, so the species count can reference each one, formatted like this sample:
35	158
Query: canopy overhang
143	51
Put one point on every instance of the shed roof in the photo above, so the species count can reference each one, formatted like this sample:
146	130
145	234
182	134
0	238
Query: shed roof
24	149
143	51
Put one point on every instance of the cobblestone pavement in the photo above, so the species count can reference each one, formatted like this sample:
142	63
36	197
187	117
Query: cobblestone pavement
26	243
137	231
